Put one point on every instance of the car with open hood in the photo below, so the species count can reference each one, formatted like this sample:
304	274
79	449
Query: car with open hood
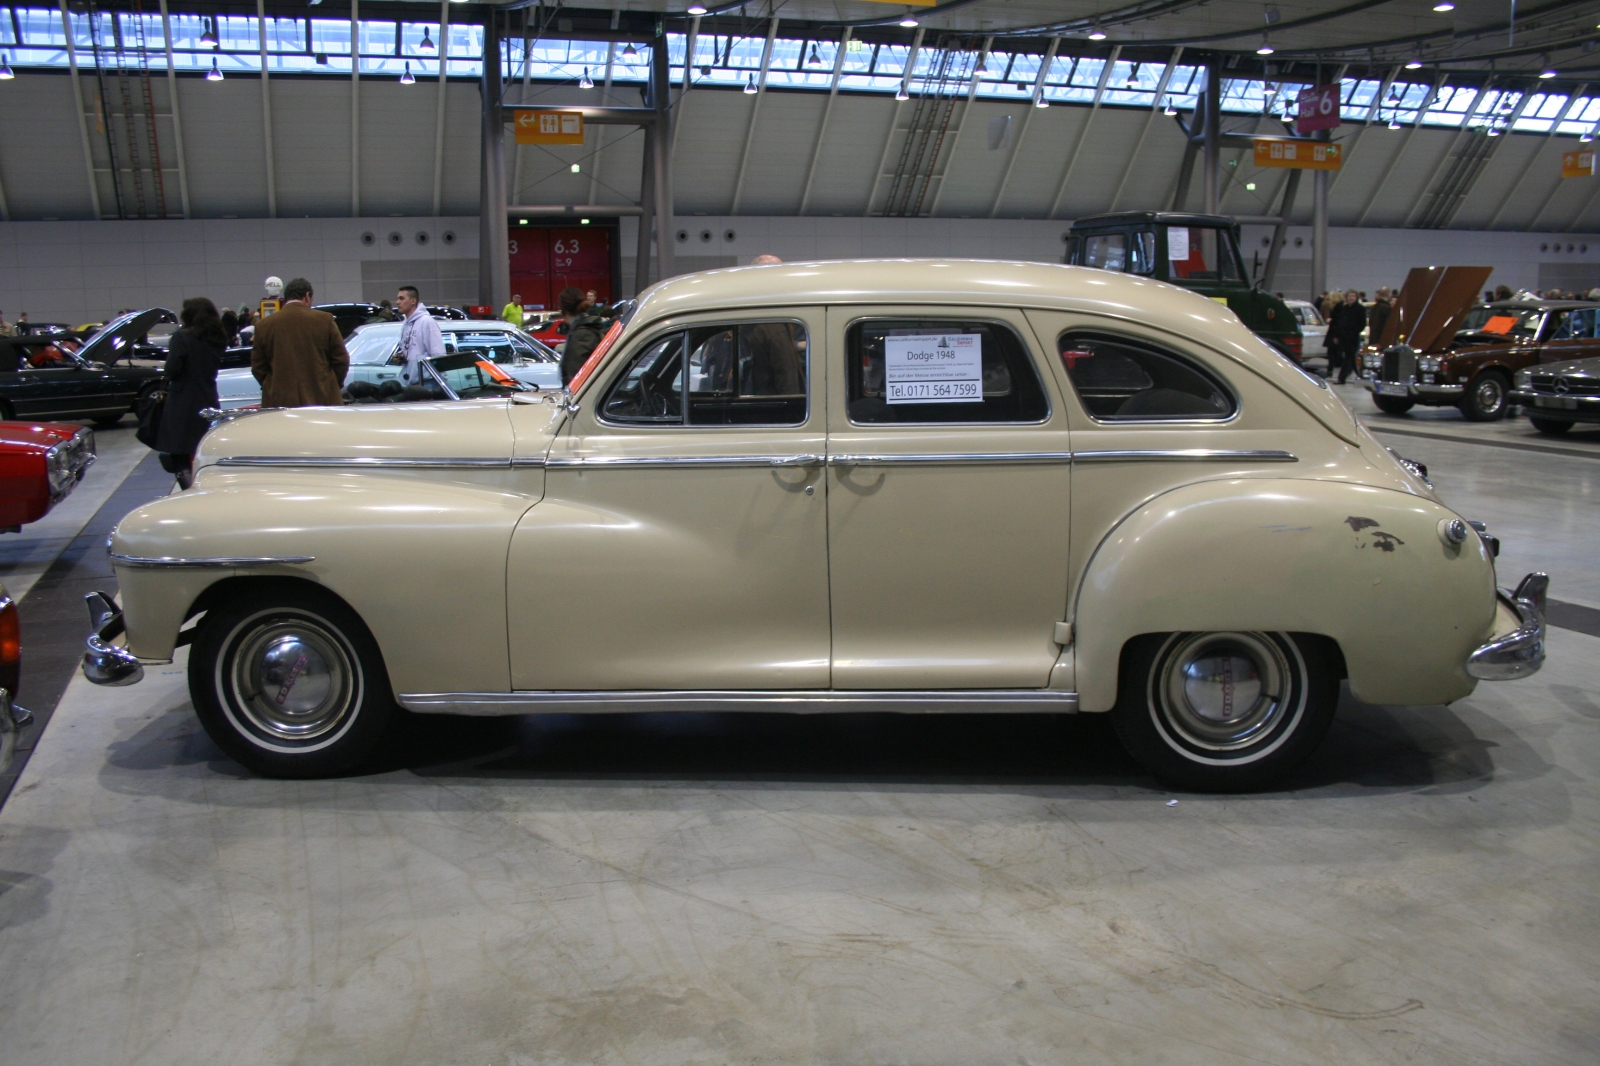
1444	348
910	485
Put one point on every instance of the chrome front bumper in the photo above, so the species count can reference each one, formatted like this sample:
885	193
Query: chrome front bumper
105	663
1415	391
1519	653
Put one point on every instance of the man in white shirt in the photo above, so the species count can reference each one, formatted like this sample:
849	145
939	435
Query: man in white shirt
419	337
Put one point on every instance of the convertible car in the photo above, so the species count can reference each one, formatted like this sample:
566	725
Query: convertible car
375	358
912	485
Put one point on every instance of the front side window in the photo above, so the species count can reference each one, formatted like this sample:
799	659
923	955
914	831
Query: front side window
940	370
748	374
1123	380
1107	251
1202	253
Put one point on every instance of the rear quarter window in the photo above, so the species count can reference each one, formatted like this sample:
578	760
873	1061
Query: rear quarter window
1120	379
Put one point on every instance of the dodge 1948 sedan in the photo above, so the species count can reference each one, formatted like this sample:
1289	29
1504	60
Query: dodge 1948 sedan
912	486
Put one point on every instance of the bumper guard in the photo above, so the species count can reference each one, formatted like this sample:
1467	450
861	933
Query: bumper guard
105	663
1519	653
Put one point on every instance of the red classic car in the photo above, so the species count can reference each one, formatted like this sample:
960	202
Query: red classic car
40	464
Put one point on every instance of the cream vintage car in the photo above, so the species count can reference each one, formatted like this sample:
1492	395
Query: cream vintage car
911	485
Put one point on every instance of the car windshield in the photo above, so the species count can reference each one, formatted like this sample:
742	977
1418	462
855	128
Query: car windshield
470	377
372	345
502	346
1202	253
1503	321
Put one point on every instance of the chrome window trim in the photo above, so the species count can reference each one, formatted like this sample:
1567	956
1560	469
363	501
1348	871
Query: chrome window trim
1192	455
603	462
950	458
1044	390
684	328
801	701
219	561
1205	371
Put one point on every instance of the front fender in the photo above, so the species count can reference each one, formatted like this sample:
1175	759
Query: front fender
419	555
1365	566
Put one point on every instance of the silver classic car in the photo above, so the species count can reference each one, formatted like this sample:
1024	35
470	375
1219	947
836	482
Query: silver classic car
915	485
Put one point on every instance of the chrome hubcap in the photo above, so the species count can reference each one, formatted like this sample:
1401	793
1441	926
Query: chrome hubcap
294	679
1489	395
1223	691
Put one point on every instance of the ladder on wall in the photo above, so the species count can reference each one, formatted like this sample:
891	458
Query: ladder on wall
941	91
125	64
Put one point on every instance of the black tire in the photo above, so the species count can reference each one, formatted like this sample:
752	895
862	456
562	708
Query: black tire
1393	405
107	421
1551	427
1175	703
6	413
1485	398
288	635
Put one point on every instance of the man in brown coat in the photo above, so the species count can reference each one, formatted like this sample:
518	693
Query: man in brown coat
298	354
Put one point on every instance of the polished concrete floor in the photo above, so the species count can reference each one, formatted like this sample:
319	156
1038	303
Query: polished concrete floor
853	890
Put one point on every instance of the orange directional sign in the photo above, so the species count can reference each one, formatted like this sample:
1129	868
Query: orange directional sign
1579	164
549	127
1298	155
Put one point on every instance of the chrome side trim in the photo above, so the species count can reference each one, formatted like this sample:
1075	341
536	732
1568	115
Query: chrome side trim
802	701
220	561
1520	652
366	461
603	462
1190	455
950	458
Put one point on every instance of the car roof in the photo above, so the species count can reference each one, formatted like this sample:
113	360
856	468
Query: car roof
1542	305
1124	218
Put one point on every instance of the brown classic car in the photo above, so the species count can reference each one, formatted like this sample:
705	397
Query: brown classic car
1459	355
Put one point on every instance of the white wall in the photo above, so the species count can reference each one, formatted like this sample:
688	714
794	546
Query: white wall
84	271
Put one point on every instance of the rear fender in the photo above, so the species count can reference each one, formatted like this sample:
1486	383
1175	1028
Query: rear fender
1364	566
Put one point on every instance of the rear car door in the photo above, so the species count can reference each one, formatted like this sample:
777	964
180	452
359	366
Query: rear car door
949	473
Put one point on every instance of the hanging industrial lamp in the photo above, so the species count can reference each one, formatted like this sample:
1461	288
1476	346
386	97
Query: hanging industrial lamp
1444	5
1041	102
1169	110
1548	72
629	51
750	85
408	78
697	9
5	68
426	44
908	22
814	60
209	37
586	82
1266	48
1096	33
215	73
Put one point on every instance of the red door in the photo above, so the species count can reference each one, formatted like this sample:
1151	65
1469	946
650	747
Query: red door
530	268
545	261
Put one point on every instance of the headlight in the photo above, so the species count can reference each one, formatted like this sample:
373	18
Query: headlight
1373	361
58	468
1428	364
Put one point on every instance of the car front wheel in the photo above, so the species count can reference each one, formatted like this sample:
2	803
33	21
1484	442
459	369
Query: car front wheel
1551	427
1226	711
289	682
1485	398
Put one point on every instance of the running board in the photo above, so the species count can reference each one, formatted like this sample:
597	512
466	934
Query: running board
802	701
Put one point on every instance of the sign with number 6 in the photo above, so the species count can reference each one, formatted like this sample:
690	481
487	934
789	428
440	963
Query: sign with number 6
1318	109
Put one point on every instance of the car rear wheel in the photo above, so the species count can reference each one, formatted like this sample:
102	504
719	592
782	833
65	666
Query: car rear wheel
1550	426
1225	711
107	421
1393	405
289	682
1485	398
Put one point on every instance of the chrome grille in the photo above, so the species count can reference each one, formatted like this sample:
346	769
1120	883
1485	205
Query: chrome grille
1399	364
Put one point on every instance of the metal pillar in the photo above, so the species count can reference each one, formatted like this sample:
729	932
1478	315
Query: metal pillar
1213	131
661	153
1319	227
641	262
172	98
494	250
355	109
1290	187
266	112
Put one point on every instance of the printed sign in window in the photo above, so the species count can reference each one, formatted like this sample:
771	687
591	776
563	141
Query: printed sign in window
1178	243
933	368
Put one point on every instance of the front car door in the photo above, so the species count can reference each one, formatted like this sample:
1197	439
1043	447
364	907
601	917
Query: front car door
683	499
949	471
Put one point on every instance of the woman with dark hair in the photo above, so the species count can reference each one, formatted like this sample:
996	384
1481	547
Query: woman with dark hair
230	326
191	380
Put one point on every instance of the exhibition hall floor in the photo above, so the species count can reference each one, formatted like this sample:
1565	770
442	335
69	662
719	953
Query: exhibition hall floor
643	889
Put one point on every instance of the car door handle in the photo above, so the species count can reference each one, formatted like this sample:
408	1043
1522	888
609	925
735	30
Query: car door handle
797	460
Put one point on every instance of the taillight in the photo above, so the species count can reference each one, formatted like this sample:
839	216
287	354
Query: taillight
10	646
1294	344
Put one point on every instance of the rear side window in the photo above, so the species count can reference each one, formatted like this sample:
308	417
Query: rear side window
940	370
1122	380
749	374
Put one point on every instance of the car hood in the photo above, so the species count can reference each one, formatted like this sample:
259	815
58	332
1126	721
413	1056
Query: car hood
15	435
1578	368
413	434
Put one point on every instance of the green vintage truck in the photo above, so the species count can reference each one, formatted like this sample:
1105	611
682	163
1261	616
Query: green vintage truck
1199	252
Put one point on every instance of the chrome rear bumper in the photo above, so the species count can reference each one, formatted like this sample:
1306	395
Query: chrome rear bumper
105	663
1519	653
